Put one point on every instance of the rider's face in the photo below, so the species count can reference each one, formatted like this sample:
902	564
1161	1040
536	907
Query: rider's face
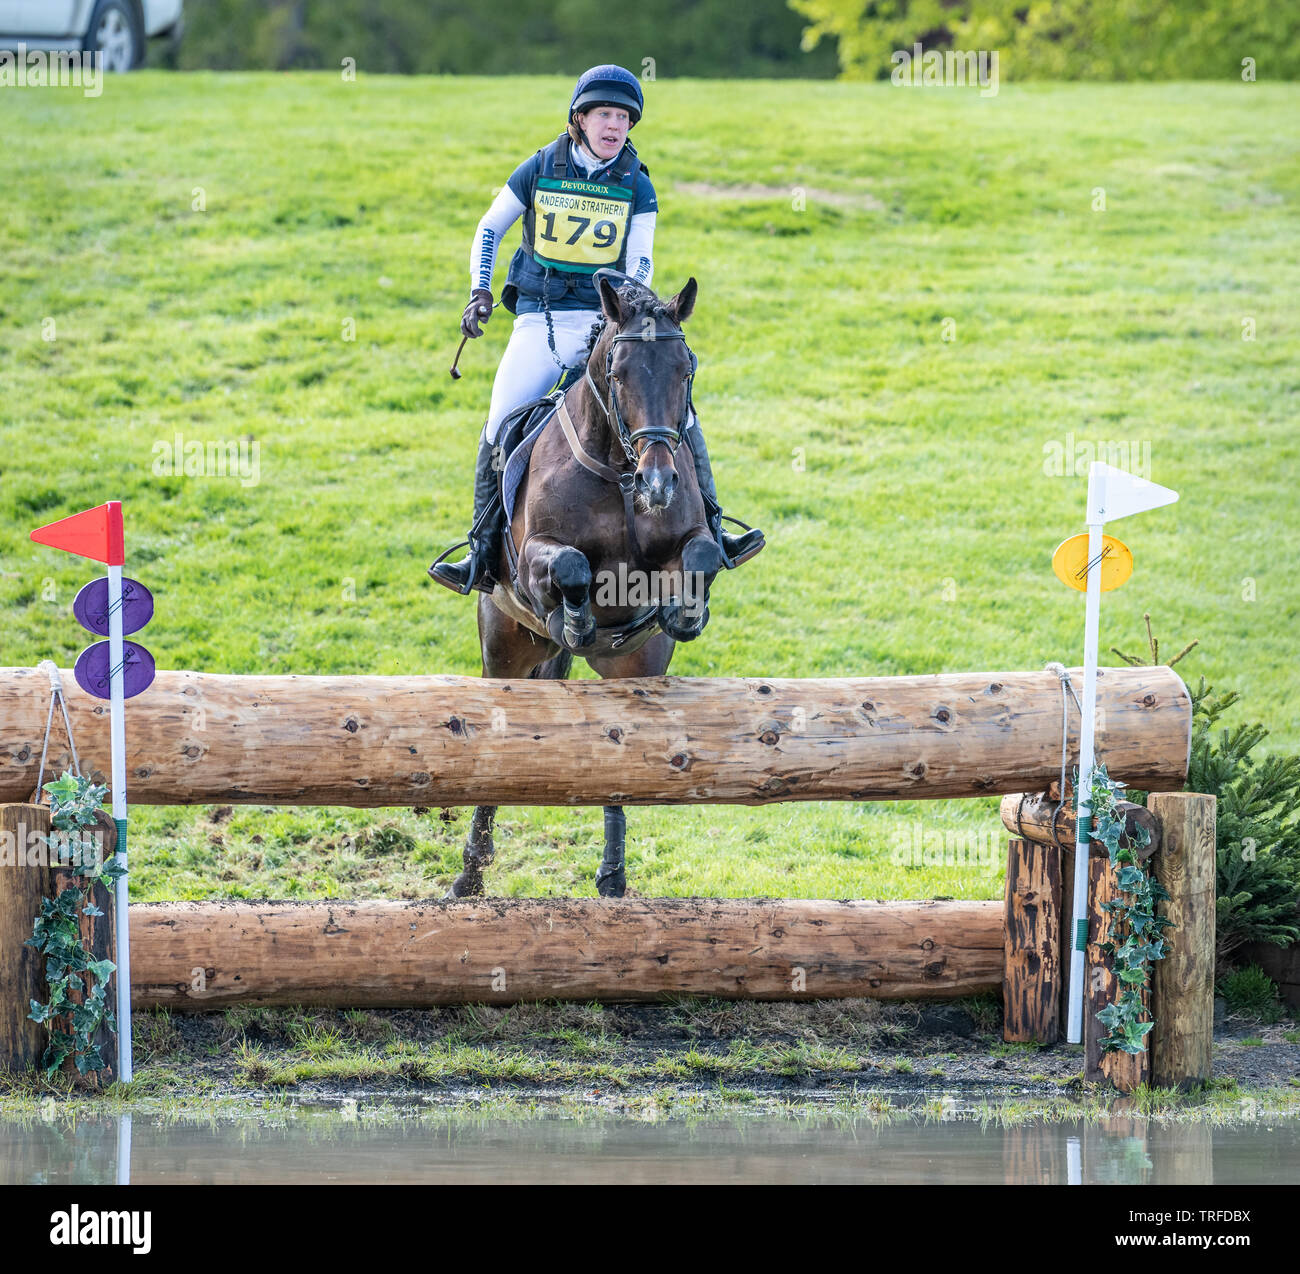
605	128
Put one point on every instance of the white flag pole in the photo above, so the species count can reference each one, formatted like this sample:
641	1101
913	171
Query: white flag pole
1083	827
97	533
1112	494
117	732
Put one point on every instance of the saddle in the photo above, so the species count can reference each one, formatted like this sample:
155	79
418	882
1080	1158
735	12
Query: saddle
521	426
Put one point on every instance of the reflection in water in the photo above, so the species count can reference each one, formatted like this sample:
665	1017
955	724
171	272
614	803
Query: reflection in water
1073	1162
382	1144
124	1150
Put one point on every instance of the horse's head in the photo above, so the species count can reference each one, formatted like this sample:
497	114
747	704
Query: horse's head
641	370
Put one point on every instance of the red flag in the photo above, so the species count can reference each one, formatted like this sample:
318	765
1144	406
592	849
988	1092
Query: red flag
96	533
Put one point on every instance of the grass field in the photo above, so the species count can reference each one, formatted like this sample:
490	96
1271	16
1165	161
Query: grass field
915	320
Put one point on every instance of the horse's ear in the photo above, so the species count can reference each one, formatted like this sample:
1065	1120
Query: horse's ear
682	305
609	300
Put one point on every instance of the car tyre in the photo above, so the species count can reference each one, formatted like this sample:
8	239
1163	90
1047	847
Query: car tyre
115	32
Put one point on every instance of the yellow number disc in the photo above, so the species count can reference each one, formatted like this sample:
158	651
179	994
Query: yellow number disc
1070	562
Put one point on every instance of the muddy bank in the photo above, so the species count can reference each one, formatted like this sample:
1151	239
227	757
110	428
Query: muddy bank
813	1051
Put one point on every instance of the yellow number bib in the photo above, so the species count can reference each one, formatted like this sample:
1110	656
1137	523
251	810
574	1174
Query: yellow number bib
579	225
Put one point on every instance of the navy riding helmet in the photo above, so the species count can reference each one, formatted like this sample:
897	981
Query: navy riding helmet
608	85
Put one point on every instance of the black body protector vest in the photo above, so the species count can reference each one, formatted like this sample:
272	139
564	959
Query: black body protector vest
573	226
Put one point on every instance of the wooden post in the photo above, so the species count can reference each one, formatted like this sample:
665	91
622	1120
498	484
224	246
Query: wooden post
1033	813
1182	1042
1031	983
1125	1070
22	887
98	933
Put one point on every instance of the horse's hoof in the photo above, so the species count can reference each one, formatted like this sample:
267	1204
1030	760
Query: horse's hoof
612	884
673	623
464	886
575	640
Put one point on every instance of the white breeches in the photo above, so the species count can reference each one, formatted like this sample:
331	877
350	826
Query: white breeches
527	369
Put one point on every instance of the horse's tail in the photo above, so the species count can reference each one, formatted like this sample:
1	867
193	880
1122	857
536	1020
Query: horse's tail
554	669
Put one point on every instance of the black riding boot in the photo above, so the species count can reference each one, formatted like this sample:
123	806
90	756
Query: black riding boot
477	569
736	549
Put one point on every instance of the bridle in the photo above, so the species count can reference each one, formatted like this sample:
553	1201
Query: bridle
672	437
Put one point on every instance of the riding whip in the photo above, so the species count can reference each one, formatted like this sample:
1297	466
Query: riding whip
455	371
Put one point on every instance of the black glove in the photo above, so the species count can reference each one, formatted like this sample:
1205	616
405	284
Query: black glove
476	312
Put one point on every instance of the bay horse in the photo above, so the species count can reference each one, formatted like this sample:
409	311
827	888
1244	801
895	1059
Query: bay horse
608	554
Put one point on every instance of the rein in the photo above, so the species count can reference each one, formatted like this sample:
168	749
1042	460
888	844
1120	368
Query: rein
624	480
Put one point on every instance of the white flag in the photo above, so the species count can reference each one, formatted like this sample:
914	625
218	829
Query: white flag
1113	493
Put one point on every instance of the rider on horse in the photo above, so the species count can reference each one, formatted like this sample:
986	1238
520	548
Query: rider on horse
551	290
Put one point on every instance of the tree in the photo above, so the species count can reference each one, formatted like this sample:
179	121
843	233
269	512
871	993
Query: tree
1067	39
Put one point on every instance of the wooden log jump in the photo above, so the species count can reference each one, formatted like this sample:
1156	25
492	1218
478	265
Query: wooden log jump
197	738
202	738
199	956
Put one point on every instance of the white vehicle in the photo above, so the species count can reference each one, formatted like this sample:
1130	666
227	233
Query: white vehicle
119	29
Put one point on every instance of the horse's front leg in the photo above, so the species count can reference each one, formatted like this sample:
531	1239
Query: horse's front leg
559	578
683	616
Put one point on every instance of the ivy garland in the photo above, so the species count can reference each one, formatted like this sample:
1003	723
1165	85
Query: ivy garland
1136	929
69	967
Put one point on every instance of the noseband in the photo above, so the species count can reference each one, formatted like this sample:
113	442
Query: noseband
656	433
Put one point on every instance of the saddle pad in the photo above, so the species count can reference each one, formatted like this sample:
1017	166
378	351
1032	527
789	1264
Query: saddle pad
517	464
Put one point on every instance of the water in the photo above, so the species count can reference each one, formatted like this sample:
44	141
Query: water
387	1145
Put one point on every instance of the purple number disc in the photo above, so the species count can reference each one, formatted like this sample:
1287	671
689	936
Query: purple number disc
92	669
91	606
